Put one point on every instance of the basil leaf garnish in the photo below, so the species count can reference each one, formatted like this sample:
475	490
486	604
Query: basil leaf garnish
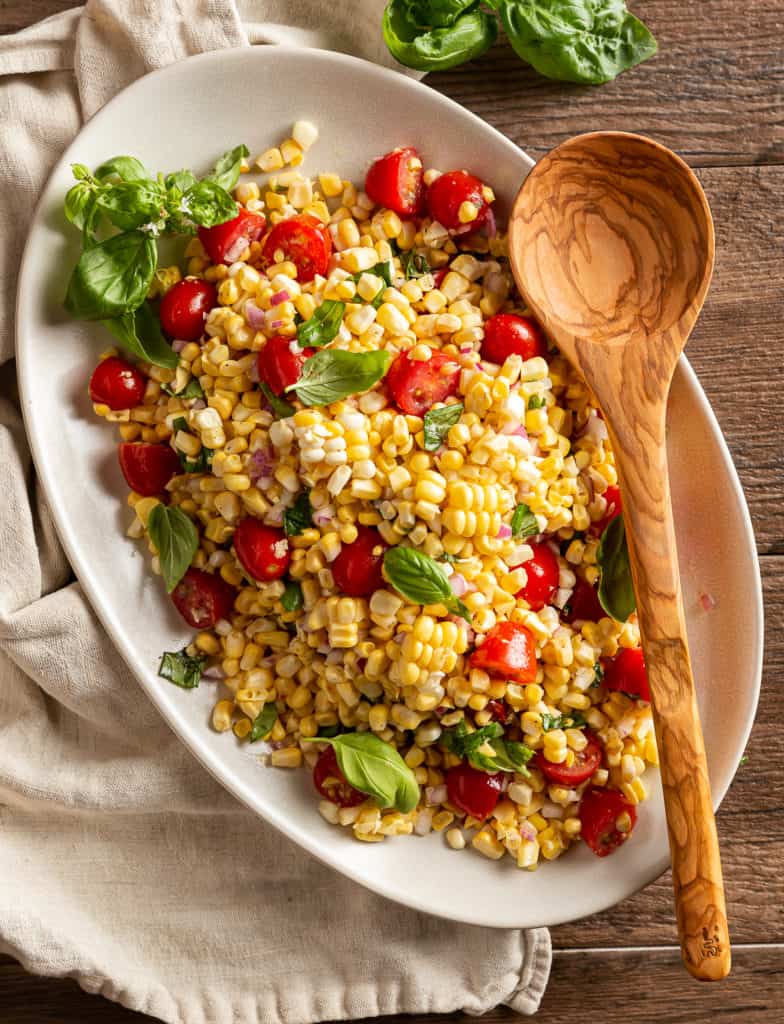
421	37
376	768
323	326
180	180
181	668
264	721
332	374
192	389
79	201
281	409
112	277
422	580
569	720
299	517
616	593
326	732
524	522
207	204
120	168
414	264
437	424
507	756
129	204
291	598
140	332
536	402
176	540
227	170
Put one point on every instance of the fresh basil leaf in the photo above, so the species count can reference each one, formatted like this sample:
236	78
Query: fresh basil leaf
569	720
112	277
264	721
280	407
192	389
176	540
80	171
437	424
130	204
507	756
291	598
298	518
616	593
326	732
180	423
437	13
331	375
384	270
376	768
414	264
140	332
181	668
461	742
122	168
584	41
79	201
446	557
180	180
437	48
422	580
536	402
207	204
323	326
226	172
598	675
524	522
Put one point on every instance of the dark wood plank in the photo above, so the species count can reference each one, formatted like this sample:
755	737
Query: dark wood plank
713	91
16	14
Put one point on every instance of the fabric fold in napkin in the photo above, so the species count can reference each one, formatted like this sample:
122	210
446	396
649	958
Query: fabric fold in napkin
122	864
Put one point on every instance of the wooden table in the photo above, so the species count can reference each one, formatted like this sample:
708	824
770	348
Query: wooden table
715	94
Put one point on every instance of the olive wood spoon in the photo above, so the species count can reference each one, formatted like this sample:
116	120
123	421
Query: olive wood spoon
611	244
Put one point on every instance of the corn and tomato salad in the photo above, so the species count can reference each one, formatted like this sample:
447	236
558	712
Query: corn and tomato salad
400	546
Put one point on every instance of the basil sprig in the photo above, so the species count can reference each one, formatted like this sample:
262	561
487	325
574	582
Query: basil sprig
332	374
507	756
264	721
376	768
616	593
584	41
422	580
299	517
176	540
437	424
524	522
323	326
181	668
140	332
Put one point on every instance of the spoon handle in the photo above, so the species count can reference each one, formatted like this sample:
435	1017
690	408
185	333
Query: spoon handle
694	846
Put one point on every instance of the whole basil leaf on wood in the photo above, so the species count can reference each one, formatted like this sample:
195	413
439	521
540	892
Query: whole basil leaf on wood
140	332
583	41
616	593
435	48
332	374
176	540
376	768
422	580
437	13
112	277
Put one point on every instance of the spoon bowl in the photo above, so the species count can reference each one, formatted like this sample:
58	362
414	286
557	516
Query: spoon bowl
611	244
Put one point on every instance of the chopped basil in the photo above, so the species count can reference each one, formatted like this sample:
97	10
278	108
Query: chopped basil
280	407
181	668
192	389
569	720
264	721
382	270
507	756
437	424
450	559
598	675
299	517
616	593
202	461
376	768
524	522
323	326
332	374
537	402
414	264
291	598
176	540
419	578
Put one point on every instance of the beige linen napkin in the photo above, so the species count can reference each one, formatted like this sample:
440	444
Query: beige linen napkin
122	864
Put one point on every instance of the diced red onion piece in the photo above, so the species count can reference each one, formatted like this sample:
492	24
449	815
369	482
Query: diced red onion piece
527	830
254	316
504	532
234	252
458	583
279	297
435	795
178	344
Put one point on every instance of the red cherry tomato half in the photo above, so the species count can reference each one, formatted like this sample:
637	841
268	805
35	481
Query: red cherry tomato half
331	782
473	791
263	550
117	384
542	582
599	813
626	672
585	763
203	598
439	275
185	306
305	241
507	334
357	569
498	710
279	364
583	605
147	468
448	193
507	652
614	508
395	181
416	386
226	242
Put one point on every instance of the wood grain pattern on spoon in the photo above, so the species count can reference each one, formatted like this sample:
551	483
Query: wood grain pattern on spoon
611	243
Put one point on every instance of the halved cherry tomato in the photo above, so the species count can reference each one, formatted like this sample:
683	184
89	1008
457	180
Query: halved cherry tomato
543	572
626	672
395	181
117	384
599	813
498	710
583	605
279	364
439	275
185	306
614	508
448	193
507	334
473	791
147	468
305	241
331	782
416	386
357	569
203	598
226	242
507	652
585	763
263	550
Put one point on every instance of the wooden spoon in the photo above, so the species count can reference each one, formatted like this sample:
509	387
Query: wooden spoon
611	244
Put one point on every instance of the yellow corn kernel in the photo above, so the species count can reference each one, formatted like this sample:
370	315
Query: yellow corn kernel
286	757
222	715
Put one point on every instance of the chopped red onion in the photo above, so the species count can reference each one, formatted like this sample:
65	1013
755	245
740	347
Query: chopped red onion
423	823
466	349
178	344
527	830
236	250
275	324
278	297
458	583
254	315
708	602
521	432
213	672
261	464
504	532
199	403
323	516
435	795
